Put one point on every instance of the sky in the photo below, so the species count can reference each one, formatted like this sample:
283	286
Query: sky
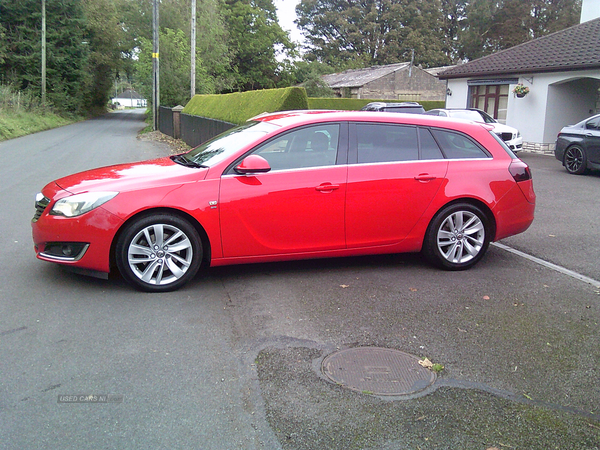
286	12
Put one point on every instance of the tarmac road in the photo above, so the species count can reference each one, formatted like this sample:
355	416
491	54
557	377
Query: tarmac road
232	361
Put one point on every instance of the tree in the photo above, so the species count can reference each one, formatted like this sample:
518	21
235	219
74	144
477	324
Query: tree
255	38
105	39
2	43
372	31
493	25
174	68
66	51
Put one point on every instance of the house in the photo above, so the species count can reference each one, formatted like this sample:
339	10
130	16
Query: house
561	70
401	81
130	99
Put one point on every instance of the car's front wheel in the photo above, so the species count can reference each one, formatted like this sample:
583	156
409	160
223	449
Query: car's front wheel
159	252
575	160
457	237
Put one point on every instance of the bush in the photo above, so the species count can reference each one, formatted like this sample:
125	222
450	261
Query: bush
240	106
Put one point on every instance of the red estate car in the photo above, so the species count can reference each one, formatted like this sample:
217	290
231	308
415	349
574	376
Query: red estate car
292	185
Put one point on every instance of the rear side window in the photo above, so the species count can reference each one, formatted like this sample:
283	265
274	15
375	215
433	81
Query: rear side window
386	143
457	145
593	124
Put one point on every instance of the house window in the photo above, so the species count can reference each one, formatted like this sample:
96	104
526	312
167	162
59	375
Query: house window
491	98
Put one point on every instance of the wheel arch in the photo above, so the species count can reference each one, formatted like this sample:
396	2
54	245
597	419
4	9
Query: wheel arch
475	202
206	251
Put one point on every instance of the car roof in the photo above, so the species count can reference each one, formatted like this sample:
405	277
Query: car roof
306	117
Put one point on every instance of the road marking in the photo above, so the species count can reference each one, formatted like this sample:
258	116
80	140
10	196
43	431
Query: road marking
549	265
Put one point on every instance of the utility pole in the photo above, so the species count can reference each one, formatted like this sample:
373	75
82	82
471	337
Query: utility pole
155	66
193	52
44	52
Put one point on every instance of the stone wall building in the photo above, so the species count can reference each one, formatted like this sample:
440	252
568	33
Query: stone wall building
401	82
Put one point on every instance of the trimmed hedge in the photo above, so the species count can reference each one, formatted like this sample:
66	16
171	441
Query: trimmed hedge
241	106
238	107
353	104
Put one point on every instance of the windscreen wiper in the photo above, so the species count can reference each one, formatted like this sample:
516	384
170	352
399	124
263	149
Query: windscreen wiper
181	159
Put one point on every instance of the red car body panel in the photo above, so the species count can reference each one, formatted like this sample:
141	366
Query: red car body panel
340	210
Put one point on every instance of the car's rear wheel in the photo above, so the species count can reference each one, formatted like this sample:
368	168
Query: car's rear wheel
159	253
457	237
575	160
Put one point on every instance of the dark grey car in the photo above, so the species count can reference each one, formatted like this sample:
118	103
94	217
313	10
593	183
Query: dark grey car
578	146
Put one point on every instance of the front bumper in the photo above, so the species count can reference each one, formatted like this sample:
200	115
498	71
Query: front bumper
83	242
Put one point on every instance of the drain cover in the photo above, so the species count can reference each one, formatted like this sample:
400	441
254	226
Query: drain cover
379	371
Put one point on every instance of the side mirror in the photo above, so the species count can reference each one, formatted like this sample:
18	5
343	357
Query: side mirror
253	164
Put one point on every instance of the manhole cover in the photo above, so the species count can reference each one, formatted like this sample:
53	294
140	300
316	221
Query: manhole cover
379	371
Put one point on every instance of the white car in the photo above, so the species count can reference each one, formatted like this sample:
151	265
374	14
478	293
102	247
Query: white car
509	135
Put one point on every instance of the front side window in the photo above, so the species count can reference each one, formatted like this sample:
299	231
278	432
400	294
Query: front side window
386	143
312	146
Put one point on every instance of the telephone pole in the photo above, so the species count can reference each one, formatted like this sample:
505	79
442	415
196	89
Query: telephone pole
155	66
193	52
44	52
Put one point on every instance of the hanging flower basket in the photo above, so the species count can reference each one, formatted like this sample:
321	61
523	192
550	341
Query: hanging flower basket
521	91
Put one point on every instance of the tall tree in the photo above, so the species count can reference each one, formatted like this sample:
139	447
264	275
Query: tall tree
373	31
255	39
66	50
493	25
213	55
105	39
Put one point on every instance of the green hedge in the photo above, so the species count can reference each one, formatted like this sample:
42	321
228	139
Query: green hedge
240	106
352	104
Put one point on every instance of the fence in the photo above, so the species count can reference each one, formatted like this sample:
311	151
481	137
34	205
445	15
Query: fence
165	120
193	130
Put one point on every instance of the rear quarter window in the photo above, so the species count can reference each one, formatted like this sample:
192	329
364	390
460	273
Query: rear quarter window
458	146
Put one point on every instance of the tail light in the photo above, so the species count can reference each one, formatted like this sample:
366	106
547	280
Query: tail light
519	171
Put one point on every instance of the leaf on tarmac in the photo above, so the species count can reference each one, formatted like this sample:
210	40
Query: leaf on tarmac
426	363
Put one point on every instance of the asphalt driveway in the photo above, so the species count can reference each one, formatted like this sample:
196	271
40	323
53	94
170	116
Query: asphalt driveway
233	360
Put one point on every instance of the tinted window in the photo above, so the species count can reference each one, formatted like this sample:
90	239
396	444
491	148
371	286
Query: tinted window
593	124
386	143
307	147
429	148
458	146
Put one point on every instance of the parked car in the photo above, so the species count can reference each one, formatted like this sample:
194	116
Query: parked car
291	185
578	146
510	135
403	107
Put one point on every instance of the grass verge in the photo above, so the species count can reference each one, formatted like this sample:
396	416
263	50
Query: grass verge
14	124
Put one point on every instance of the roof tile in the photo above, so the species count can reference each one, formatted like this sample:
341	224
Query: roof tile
574	48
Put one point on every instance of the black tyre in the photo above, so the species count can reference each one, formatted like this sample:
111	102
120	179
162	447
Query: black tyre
457	237
159	253
575	160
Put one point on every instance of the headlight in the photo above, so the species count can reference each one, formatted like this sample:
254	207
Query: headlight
79	204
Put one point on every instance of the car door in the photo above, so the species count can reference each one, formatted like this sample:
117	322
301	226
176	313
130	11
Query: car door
296	207
592	140
396	172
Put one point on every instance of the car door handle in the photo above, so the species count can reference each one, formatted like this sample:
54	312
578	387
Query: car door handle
425	177
327	187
